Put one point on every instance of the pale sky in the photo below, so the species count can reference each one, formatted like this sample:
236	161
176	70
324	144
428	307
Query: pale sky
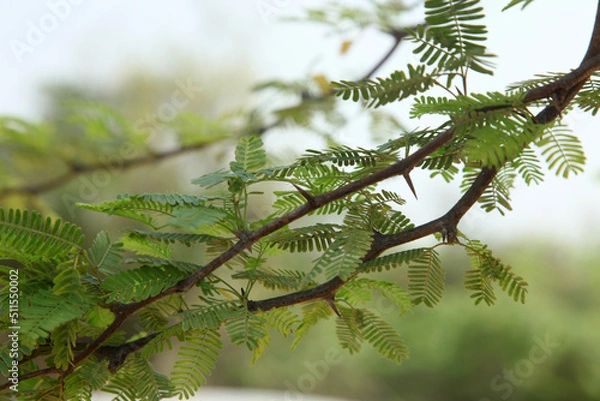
96	41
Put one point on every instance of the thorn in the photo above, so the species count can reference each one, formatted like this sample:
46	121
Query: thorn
309	198
332	305
410	184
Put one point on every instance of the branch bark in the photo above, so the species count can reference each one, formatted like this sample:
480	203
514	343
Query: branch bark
445	224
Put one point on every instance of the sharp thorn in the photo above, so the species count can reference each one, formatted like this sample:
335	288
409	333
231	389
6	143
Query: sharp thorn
333	307
410	184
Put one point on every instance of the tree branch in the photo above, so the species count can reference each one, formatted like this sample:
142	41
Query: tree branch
76	169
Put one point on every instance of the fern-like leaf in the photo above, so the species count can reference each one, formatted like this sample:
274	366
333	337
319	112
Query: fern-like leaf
426	278
195	360
211	316
563	151
383	337
486	269
142	207
348	329
280	279
451	39
283	320
392	260
46	311
137	380
247	329
380	91
141	283
187	239
312	313
305	239
249	155
343	257
497	195
27	237
90	375
480	285
63	340
527	165
106	256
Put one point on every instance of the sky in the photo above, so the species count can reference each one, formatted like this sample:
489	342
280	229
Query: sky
96	42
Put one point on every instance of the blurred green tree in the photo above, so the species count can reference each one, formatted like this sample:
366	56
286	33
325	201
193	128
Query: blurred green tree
69	335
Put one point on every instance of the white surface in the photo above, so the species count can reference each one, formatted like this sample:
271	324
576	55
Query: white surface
226	394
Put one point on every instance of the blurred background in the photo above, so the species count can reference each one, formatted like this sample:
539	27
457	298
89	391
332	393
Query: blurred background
106	82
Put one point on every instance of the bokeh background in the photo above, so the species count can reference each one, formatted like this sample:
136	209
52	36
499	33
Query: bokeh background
133	55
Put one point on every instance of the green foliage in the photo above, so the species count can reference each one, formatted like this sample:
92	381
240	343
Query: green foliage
426	278
358	325
379	92
136	380
140	283
248	240
516	2
563	151
341	16
343	257
195	360
451	39
485	270
87	377
27	237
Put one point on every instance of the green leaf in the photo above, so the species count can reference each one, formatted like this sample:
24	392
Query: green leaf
46	311
348	329
249	155
141	245
137	380
313	312
343	257
247	329
383	337
27	237
106	256
196	359
564	153
379	91
426	278
392	260
487	269
141	283
192	219
515	2
211	316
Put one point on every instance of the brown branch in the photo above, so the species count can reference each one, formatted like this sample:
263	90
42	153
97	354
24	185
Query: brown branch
404	166
566	83
76	169
398	35
382	243
446	224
